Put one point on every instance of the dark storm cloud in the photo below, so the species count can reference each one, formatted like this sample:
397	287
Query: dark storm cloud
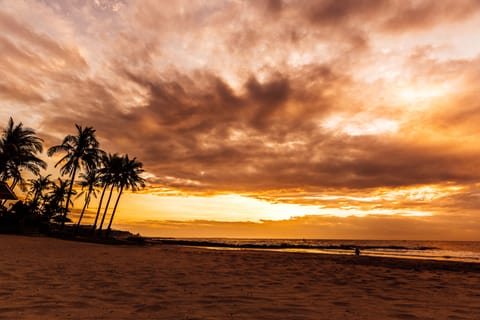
197	127
256	140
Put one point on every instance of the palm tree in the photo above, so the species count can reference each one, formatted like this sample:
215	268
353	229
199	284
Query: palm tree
104	182
91	180
18	149
113	166
129	177
81	150
38	186
105	185
56	199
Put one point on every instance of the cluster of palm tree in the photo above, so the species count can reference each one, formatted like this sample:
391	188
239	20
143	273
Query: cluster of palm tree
80	155
48	197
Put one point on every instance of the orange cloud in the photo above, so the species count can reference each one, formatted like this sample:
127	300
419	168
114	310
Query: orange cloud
254	97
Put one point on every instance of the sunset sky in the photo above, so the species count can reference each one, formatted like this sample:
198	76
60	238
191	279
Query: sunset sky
295	119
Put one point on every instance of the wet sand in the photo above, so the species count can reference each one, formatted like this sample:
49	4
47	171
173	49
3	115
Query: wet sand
46	278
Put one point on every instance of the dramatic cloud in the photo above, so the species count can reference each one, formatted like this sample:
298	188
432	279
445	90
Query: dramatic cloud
348	99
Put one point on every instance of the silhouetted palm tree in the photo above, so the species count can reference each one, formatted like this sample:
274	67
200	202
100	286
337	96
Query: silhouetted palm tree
18	149
105	185
112	169
91	180
81	150
128	178
104	182
37	189
55	200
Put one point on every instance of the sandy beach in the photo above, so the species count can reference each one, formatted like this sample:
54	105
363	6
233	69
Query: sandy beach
46	278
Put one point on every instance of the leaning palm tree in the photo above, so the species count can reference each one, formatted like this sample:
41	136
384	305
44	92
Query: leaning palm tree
105	185
91	180
18	149
129	178
113	166
104	178
81	150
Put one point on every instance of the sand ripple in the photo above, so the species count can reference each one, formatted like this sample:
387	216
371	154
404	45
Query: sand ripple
44	278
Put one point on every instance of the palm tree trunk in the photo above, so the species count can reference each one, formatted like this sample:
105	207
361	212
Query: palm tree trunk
114	209
35	197
87	200
106	209
68	196
14	183
35	204
99	207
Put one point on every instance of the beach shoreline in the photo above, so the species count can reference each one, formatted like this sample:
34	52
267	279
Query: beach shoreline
351	258
48	278
404	249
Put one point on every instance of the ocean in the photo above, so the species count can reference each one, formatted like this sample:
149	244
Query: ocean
464	251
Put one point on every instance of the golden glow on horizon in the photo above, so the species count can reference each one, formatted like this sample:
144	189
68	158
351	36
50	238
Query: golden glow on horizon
231	207
236	207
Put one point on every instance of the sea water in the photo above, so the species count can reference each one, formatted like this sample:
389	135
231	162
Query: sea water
465	251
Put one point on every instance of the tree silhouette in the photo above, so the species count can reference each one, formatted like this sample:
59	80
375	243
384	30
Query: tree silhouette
105	185
128	178
104	182
81	150
18	149
79	155
54	207
37	188
113	166
91	180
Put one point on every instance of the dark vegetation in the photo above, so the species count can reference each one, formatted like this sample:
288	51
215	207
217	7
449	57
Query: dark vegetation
84	170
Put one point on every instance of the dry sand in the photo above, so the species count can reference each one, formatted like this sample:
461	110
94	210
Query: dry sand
45	278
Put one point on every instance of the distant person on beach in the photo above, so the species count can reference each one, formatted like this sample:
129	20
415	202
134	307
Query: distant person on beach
357	251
